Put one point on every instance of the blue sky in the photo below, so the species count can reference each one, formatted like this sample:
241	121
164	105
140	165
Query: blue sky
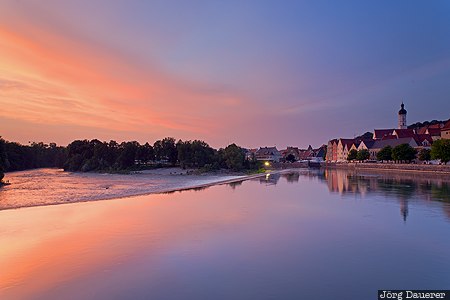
251	72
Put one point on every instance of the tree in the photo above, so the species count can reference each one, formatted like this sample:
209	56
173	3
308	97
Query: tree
352	154
128	154
166	149
385	153
145	153
194	154
290	158
362	154
233	157
425	154
366	136
403	152
441	150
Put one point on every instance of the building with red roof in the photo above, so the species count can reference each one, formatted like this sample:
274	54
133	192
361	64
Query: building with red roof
445	131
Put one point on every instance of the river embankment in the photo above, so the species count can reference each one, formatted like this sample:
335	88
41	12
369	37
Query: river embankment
441	170
40	187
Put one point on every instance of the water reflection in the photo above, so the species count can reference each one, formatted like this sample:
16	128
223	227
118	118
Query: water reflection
309	238
399	186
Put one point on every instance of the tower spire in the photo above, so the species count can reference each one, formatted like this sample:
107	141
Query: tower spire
402	117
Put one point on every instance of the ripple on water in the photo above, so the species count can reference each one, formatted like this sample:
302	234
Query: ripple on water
54	186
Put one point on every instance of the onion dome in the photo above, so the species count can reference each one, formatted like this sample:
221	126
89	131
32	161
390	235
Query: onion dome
402	111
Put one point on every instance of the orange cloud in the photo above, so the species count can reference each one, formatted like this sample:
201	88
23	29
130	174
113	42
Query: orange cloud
49	78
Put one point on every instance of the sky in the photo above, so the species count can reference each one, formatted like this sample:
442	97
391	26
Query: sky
254	73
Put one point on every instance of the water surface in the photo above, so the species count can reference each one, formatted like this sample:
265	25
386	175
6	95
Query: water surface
304	235
54	186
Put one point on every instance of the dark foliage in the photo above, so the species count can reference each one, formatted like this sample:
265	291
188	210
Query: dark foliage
16	157
403	152
385	153
290	158
362	154
441	150
95	155
366	136
352	154
424	155
426	123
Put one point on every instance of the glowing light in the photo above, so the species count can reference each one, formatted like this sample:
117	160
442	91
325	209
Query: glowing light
267	164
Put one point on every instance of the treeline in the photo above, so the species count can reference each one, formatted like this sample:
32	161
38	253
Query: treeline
94	155
16	157
426	123
440	150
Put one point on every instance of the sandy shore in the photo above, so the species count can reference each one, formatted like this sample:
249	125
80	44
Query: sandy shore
53	187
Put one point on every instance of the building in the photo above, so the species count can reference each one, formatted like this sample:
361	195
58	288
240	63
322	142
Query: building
380	144
332	150
379	134
343	148
290	152
445	131
268	154
402	117
338	149
250	154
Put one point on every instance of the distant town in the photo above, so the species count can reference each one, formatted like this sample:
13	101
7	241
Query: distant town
419	136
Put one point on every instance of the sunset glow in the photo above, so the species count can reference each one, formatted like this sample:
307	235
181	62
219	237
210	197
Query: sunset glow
73	70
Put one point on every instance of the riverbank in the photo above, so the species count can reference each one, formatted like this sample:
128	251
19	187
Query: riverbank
43	187
391	167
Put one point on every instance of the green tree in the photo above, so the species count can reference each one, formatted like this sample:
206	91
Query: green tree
385	153
440	149
352	154
362	154
425	154
233	157
403	152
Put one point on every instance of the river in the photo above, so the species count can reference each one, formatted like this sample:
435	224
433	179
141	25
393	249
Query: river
301	235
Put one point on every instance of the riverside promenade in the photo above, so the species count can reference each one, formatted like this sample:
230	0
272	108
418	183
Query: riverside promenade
391	167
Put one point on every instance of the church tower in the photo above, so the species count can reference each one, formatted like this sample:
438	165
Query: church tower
402	117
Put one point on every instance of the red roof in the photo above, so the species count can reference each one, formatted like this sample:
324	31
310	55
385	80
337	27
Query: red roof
434	131
389	137
403	133
446	126
379	133
422	130
419	138
347	142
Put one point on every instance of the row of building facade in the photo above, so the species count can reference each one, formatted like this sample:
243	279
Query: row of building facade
272	154
338	149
